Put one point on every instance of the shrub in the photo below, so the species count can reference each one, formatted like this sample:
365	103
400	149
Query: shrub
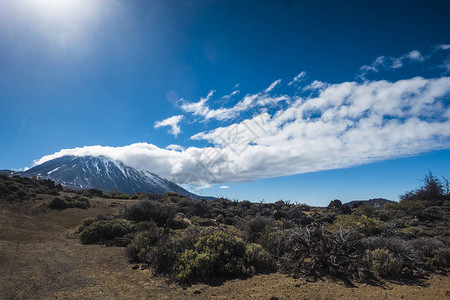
432	213
313	251
178	222
102	230
142	243
58	203
191	254
362	224
86	222
91	193
79	204
405	207
382	262
14	187
86	200
12	198
366	210
115	195
304	207
404	250
185	202
53	192
426	246
414	232
258	259
164	255
254	227
229	220
245	203
146	210
441	257
220	253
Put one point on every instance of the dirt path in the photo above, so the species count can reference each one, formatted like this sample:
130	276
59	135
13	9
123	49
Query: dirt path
42	258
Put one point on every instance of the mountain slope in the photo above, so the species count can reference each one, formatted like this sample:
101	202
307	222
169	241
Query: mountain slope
376	202
104	174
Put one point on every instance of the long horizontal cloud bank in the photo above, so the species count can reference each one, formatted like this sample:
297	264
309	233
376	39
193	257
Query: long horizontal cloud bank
342	125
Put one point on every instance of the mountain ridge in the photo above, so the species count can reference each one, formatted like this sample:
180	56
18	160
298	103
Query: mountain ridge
375	202
103	173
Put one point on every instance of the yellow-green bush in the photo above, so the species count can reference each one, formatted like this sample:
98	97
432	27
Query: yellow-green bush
360	224
382	262
220	253
142	243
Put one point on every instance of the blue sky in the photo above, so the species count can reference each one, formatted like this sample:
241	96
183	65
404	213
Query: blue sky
366	117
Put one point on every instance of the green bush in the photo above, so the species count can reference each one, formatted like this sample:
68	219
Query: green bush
362	224
255	227
103	230
146	210
58	203
382	262
143	243
85	223
366	210
79	204
404	250
163	256
14	187
223	254
257	259
69	202
191	254
405	207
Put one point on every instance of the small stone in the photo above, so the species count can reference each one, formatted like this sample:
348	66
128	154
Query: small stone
197	292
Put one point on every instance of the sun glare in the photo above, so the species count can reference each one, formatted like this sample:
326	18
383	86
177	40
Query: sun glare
58	6
64	26
63	10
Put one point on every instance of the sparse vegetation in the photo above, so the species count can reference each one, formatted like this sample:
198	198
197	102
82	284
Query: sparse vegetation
190	240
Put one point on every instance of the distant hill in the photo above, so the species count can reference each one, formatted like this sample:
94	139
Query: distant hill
102	173
8	172
376	202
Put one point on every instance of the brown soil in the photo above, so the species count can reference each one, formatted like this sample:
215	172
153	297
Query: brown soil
42	258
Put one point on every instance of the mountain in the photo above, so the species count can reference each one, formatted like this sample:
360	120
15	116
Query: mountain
376	202
7	172
85	172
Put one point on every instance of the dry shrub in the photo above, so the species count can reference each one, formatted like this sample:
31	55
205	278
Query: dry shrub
382	262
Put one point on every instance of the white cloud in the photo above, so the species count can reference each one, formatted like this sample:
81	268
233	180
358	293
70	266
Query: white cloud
224	187
273	85
442	47
385	63
227	97
301	76
446	66
175	147
248	101
344	125
327	126
173	122
202	187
